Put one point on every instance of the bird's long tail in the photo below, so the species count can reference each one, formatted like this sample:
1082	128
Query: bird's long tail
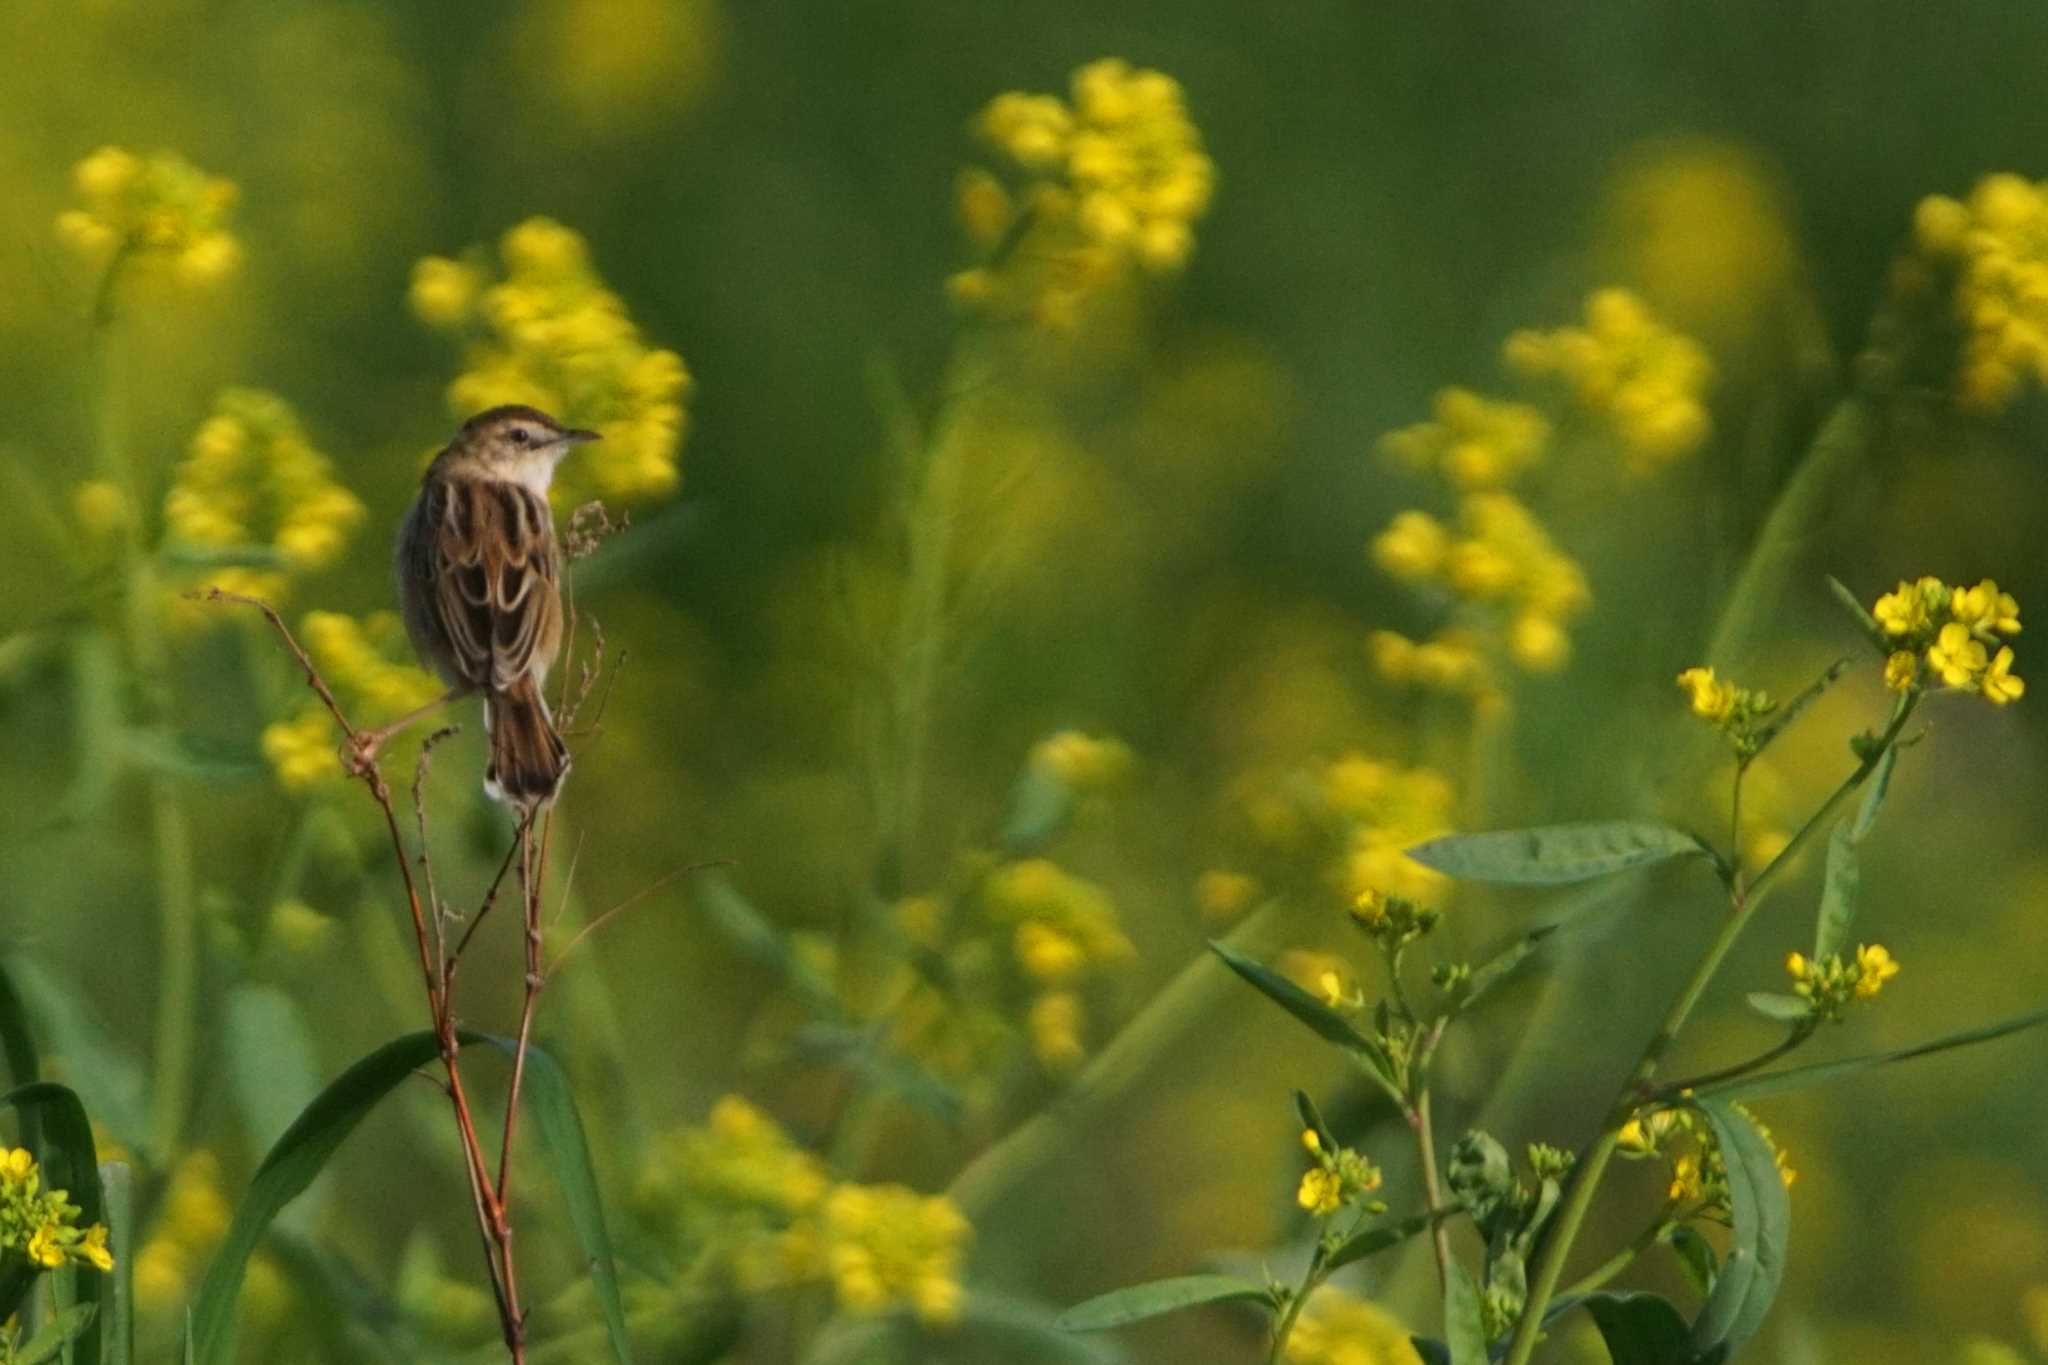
528	759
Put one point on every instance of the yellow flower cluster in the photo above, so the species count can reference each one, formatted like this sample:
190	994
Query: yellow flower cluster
158	209
1646	381
356	659
1222	895
1948	634
1830	984
195	1218
879	1246
1472	441
1083	763
41	1226
1392	920
1699	1176
1337	1179
1093	191
1498	558
551	334
1735	711
1383	810
1337	1329
251	482
1996	245
1064	929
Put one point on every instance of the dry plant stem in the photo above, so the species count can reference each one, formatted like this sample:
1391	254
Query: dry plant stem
1592	1163
532	868
493	1227
1432	1185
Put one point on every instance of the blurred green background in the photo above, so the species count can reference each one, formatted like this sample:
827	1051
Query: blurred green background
1184	510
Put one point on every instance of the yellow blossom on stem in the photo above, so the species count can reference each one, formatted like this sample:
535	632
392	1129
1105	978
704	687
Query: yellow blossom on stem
1901	669
1320	1192
1874	967
1473	441
1949	635
1711	698
153	210
1989	249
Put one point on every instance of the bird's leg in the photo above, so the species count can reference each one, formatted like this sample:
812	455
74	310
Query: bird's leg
360	750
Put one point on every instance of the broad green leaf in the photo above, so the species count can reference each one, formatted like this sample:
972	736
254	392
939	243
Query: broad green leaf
1696	1258
65	1327
1376	1240
1820	1073
1788	1009
1776	558
553	1107
273	1070
1326	1022
70	1163
1640	1329
74	1045
290	1166
1557	853
1464	1324
1040	804
1761	1218
1137	1302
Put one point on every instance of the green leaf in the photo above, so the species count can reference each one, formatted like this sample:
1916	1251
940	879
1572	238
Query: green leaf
1040	805
1787	1009
74	1045
70	1163
17	1038
273	1071
290	1166
1696	1258
1837	893
1464	1325
193	757
1799	1077
1137	1302
1376	1240
1874	794
1640	1329
1557	853
1312	1121
1326	1022
553	1107
67	1326
1782	718
1761	1217
1501	965
1858	613
117	1322
1432	1351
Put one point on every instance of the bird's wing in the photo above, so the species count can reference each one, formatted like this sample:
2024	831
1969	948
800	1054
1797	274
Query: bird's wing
495	580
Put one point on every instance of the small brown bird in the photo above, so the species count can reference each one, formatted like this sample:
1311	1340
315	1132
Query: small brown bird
478	577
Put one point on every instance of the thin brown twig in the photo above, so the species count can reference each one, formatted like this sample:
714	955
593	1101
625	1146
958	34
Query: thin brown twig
490	899
532	869
419	810
627	904
493	1227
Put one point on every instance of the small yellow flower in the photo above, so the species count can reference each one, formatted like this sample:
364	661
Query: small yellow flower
1311	1140
1999	684
1797	966
1413	546
1085	763
1985	610
1055	1023
17	1166
1711	699
44	1248
1901	669
93	1248
1956	656
1321	1193
1687	1185
1874	967
1909	609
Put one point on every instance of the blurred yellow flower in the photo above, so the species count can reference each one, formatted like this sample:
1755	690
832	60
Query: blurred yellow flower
1473	441
1084	763
1056	1022
551	334
1647	382
102	509
1223	896
153	210
1413	546
1992	245
885	1246
1105	188
1337	1329
1711	698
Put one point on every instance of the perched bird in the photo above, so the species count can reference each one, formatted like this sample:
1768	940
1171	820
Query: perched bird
478	575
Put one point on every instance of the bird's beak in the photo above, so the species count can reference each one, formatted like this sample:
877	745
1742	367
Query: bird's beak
578	436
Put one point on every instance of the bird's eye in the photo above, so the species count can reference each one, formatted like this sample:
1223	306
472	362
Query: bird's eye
519	436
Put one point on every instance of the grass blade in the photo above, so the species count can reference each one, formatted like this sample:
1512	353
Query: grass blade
292	1163
1556	854
1135	1303
553	1106
273	1072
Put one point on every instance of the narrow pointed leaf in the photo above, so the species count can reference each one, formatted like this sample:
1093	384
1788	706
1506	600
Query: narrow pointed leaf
1873	794
1326	1022
1376	1240
273	1072
553	1107
1556	854
1639	1329
1800	1077
1761	1217
1140	1301
1498	968
67	1326
1838	893
1788	1009
1312	1120
1464	1324
290	1166
1858	613
1782	718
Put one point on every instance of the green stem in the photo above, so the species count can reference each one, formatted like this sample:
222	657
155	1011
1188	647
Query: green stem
1619	1261
1592	1164
1284	1328
1432	1184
